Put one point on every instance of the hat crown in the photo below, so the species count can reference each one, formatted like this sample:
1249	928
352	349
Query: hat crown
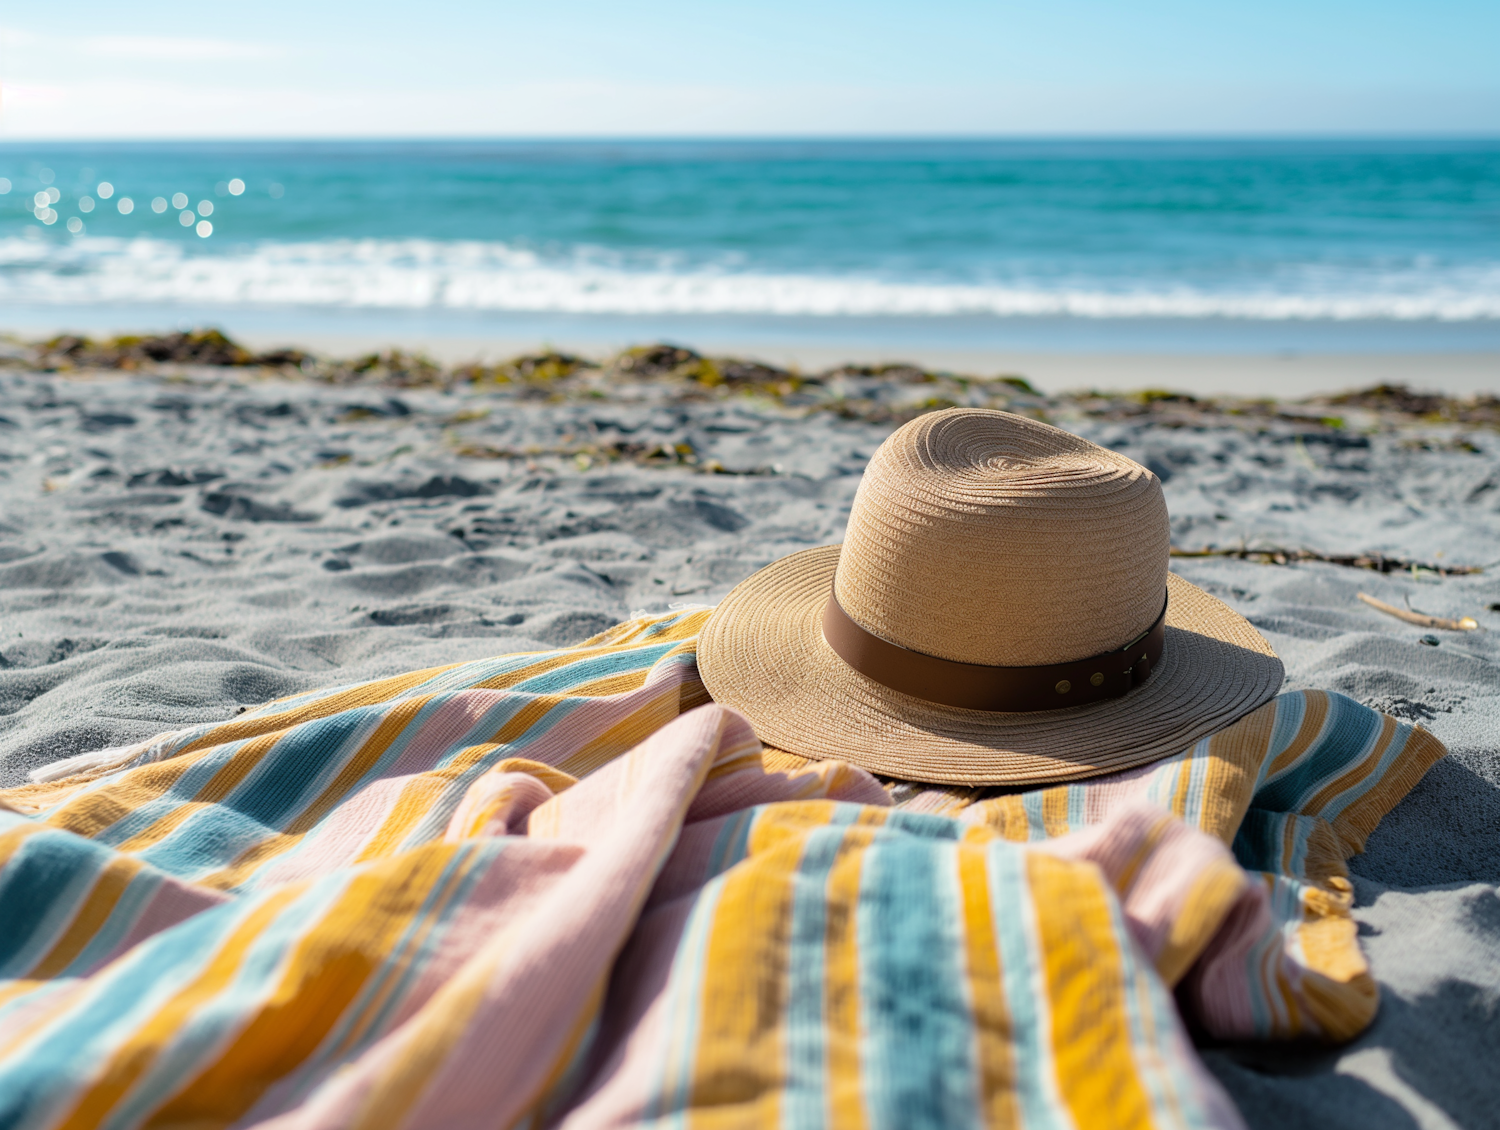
985	537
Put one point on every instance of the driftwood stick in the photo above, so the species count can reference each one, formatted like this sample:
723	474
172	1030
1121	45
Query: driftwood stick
1377	562
1421	619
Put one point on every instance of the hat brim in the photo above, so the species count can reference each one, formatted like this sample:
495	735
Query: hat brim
762	652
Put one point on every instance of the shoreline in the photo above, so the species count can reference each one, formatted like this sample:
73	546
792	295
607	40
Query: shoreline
1280	376
1283	375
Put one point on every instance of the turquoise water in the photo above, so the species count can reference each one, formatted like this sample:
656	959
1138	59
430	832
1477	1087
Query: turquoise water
1085	242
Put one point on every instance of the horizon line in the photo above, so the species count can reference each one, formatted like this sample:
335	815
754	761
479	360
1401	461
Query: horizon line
770	138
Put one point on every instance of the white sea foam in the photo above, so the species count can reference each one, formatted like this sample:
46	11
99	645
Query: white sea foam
426	274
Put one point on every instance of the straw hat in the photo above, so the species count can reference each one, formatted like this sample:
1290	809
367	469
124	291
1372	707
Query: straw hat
1000	613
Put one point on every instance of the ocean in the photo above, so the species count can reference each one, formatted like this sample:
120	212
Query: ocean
1237	245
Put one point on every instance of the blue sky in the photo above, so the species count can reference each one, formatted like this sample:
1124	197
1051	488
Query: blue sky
278	68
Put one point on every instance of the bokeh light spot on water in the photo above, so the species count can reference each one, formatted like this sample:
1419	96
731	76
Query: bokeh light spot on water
159	205
85	203
179	200
41	199
45	176
47	216
204	229
4	185
105	190
126	205
75	225
277	192
236	187
186	219
222	188
205	207
53	195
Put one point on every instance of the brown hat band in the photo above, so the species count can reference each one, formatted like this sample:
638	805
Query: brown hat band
976	686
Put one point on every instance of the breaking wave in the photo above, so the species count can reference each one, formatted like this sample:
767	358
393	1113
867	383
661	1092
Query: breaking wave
490	276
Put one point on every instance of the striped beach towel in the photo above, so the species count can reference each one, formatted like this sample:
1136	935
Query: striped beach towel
561	889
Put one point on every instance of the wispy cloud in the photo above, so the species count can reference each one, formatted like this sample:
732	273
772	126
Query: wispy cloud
28	95
173	107
17	37
174	48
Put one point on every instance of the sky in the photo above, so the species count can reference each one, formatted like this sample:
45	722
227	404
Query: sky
726	68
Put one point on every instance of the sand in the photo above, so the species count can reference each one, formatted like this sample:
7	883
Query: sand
172	548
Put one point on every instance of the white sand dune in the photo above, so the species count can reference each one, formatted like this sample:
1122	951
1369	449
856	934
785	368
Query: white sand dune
173	550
